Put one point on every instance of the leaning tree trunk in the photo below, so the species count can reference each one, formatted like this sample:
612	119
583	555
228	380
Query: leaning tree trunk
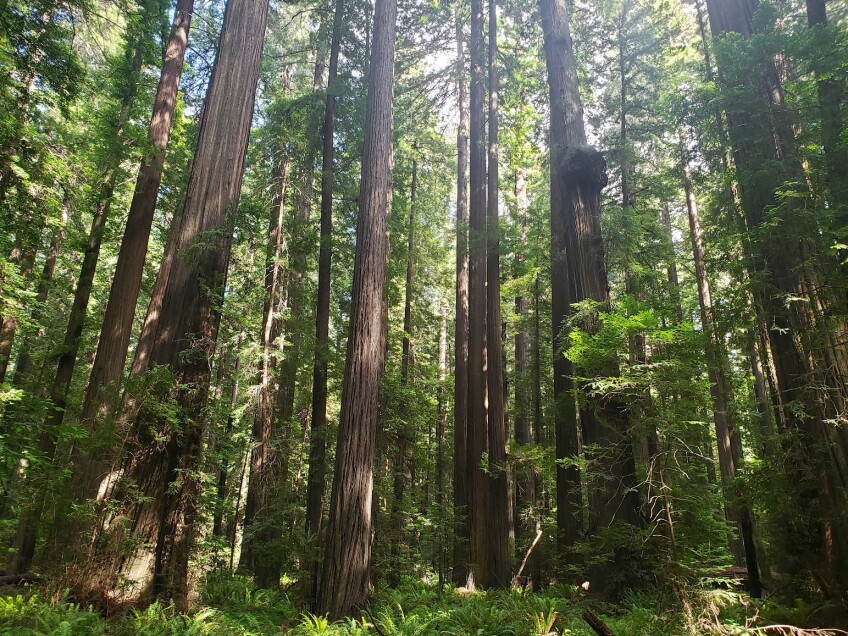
347	557
27	530
460	403
498	530
163	459
114	340
578	176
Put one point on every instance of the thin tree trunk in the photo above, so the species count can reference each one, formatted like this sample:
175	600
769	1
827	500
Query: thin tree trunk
347	558
460	404
401	462
442	413
221	490
316	480
729	449
525	479
26	534
256	555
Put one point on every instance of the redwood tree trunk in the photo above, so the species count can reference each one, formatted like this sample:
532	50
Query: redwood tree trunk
347	557
565	131
256	556
498	508
477	443
460	403
729	449
578	176
163	467
118	320
525	479
316	480
800	375
401	461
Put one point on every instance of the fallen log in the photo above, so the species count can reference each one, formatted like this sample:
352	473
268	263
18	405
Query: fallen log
600	627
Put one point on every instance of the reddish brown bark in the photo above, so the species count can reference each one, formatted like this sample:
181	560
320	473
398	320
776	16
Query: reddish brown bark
477	443
163	457
578	176
729	446
404	441
316	480
460	404
114	340
800	373
347	557
257	555
564	132
498	511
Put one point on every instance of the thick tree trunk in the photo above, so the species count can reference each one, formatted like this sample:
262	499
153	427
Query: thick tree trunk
120	310
498	509
578	175
316	480
163	459
347	557
729	449
800	376
565	131
460	403
477	443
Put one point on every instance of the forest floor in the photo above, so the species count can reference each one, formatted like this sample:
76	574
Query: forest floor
232	606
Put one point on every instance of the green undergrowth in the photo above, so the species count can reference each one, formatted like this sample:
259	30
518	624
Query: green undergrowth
231	605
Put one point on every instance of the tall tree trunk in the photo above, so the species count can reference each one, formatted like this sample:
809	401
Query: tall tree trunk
477	443
114	340
27	531
498	509
404	442
460	402
256	556
832	121
316	480
578	175
766	141
163	458
565	131
525	479
442	413
347	557
729	449
536	563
